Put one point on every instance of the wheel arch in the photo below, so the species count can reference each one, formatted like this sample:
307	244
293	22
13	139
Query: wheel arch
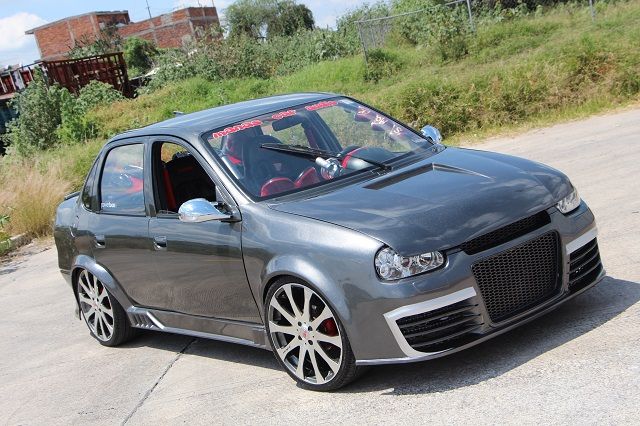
303	269
84	262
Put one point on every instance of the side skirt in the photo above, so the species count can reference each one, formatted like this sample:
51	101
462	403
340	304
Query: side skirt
244	333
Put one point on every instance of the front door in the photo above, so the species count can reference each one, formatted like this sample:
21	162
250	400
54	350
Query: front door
119	229
199	267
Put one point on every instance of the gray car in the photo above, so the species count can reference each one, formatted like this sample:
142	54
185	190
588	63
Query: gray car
320	228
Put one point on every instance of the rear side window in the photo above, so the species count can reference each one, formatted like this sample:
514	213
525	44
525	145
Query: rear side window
122	181
87	190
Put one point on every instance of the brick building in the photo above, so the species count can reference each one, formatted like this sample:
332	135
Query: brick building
55	39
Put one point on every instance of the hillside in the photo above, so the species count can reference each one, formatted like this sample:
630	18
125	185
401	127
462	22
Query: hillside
527	70
548	67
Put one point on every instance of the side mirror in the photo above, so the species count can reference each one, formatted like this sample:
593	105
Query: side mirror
200	210
432	133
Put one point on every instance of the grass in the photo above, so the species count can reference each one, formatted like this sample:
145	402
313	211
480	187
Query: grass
527	71
36	191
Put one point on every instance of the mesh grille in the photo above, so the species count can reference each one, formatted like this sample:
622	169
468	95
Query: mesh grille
519	278
506	233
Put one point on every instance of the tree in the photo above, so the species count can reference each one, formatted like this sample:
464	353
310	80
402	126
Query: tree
268	18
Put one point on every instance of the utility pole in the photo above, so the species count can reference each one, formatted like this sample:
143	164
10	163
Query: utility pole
148	9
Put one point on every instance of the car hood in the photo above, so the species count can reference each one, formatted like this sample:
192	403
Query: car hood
439	202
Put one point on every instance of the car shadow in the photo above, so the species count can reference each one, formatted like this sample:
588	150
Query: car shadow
214	349
488	360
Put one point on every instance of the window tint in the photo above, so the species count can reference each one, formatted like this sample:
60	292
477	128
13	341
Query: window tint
87	190
121	185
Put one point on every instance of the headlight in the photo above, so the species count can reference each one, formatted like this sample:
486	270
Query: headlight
391	266
570	202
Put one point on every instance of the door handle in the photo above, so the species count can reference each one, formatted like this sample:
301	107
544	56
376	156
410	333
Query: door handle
100	241
160	242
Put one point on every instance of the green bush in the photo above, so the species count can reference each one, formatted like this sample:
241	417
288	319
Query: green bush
241	56
5	244
39	109
382	64
75	125
139	55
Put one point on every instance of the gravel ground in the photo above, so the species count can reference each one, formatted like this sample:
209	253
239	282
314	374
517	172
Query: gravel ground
579	364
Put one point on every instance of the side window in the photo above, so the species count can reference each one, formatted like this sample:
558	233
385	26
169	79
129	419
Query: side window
178	177
122	181
87	194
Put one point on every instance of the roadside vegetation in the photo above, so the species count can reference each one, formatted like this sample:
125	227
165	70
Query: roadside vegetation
524	64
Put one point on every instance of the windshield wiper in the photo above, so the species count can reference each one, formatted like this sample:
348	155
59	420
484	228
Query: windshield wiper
305	151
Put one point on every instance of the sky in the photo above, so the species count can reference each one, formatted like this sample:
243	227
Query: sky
17	16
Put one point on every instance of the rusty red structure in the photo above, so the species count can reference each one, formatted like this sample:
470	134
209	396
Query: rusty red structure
74	74
14	79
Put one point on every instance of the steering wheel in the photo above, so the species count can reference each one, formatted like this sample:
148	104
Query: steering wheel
347	150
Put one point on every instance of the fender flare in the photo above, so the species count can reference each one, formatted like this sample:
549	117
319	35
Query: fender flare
88	263
304	269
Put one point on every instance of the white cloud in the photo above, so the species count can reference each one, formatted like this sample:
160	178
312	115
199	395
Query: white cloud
15	45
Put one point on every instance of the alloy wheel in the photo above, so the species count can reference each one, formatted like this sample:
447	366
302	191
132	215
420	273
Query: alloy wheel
96	306
305	334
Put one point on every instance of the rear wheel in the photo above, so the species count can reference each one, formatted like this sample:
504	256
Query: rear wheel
307	337
104	316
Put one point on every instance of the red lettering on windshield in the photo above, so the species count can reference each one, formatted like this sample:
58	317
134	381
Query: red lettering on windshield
237	128
284	114
319	105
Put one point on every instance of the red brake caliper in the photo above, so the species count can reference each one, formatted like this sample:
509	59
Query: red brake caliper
329	327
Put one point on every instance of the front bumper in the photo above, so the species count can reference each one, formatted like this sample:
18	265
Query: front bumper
455	289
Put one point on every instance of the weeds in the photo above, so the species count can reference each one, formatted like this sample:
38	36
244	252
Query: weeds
30	196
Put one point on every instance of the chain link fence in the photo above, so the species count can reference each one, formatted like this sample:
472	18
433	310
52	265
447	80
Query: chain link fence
373	32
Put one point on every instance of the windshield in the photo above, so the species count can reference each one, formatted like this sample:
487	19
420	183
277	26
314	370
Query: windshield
310	145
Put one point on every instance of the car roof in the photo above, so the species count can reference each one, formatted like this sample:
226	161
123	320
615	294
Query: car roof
213	118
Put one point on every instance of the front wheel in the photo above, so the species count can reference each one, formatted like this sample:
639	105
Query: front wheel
307	337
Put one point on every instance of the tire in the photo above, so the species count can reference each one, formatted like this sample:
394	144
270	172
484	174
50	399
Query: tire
310	326
104	316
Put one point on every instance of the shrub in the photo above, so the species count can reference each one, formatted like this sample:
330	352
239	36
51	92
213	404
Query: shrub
39	109
242	56
451	32
139	54
76	125
381	64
